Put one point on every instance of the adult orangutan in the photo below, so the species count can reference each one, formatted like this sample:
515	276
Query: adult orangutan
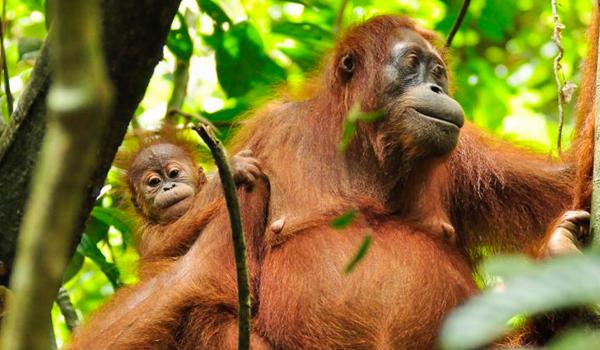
428	198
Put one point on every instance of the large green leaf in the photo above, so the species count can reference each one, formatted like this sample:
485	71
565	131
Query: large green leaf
497	19
179	41
303	31
113	217
213	10
73	266
555	284
306	58
88	248
241	62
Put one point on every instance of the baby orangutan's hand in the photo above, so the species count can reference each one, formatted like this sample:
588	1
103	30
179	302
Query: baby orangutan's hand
245	168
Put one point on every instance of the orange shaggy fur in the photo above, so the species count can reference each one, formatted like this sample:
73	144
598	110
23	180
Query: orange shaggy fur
415	271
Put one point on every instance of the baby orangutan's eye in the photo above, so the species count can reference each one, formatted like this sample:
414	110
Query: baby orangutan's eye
173	173
153	181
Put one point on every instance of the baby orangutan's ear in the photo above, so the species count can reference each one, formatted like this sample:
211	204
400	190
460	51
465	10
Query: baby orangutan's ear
135	204
201	176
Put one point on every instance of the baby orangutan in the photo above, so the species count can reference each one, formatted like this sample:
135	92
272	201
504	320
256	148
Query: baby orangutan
163	179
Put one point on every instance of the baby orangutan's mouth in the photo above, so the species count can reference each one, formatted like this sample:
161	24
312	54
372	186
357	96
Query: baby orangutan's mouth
172	197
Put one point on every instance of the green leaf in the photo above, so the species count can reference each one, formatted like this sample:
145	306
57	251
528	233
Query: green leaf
307	59
113	217
344	220
349	126
360	254
214	11
88	248
555	284
242	64
226	114
303	31
73	267
509	266
581	339
497	18
348	130
312	3
179	41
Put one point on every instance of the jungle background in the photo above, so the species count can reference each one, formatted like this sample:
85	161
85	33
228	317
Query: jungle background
224	58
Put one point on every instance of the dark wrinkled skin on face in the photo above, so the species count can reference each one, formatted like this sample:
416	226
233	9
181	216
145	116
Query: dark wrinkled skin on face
415	96
165	180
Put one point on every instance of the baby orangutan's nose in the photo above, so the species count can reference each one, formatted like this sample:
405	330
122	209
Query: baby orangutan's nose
168	187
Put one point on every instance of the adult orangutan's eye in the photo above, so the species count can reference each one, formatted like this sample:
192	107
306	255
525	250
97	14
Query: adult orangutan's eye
439	71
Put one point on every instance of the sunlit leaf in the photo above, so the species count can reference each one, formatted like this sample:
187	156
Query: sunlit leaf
581	339
497	18
303	31
213	10
306	58
360	254
349	126
89	249
113	217
179	40
73	266
509	266
242	64
344	220
555	284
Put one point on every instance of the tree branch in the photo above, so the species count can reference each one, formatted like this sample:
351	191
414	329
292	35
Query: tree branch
192	118
134	34
181	76
79	105
237	232
337	25
9	96
458	22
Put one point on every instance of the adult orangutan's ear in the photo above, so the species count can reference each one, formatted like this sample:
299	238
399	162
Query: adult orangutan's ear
347	67
379	147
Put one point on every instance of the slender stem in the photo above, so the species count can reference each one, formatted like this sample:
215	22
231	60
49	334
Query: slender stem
556	37
237	232
181	76
67	309
595	211
191	117
458	22
337	25
8	92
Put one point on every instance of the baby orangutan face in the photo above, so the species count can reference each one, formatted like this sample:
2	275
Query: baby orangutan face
164	180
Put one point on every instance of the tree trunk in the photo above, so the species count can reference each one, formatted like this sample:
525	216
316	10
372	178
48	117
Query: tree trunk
134	33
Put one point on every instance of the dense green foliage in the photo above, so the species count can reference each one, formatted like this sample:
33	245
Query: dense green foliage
240	52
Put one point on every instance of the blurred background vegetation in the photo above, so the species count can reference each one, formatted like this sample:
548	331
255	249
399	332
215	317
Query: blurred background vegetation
223	58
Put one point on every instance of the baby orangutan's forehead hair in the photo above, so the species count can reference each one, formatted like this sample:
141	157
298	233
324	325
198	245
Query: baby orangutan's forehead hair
138	141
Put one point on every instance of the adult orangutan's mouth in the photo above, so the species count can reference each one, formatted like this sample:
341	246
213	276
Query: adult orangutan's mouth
445	120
